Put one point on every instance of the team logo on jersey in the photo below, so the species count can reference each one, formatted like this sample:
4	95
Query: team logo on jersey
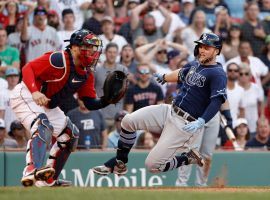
194	78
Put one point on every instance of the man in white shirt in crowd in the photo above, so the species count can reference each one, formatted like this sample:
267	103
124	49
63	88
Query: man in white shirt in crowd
68	19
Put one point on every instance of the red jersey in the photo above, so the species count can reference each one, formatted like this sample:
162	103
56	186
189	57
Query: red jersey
55	75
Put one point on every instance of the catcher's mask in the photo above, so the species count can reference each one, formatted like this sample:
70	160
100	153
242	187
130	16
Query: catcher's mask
90	46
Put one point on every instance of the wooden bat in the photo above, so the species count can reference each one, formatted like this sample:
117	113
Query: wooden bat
230	134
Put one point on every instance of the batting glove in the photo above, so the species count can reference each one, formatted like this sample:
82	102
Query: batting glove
194	126
160	78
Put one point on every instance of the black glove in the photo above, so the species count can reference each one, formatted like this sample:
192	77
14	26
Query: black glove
115	87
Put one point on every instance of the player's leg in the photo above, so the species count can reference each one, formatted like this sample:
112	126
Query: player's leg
163	157
207	147
67	135
184	171
150	118
34	119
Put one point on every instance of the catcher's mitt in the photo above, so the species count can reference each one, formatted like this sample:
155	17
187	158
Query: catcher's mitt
115	87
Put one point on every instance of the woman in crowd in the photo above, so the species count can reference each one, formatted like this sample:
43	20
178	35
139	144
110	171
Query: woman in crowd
230	46
242	134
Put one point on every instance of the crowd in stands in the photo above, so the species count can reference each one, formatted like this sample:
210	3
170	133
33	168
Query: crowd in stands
141	37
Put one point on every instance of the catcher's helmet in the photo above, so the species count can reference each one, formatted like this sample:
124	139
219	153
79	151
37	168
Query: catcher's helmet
209	39
84	38
77	38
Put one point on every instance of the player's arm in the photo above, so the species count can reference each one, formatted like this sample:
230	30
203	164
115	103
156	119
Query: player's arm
169	77
31	72
24	32
87	94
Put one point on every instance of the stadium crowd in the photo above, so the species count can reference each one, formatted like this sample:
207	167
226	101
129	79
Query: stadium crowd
142	37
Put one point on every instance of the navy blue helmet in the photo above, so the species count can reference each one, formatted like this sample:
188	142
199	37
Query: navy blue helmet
209	39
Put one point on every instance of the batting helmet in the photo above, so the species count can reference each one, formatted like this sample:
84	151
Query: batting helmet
209	39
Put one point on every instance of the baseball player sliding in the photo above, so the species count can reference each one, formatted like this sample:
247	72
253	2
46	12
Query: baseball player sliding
47	81
203	90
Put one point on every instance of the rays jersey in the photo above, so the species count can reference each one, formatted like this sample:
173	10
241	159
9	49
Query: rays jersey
199	84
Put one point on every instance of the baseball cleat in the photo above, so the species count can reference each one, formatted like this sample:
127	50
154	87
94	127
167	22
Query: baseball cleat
44	173
194	157
120	169
54	183
28	178
102	170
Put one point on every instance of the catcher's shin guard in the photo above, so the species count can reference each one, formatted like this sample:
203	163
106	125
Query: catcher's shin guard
41	130
66	142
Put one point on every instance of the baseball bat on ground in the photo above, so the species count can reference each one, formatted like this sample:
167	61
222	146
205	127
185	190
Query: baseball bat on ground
230	134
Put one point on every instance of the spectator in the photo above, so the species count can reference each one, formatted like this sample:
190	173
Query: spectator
99	12
12	77
125	28
144	93
53	19
208	7
68	20
147	26
140	41
14	39
187	7
107	27
252	28
102	70
9	19
9	56
242	134
3	97
257	67
89	123
115	134
253	105
176	22
4	141
78	7
194	30
19	134
264	9
235	93
223	22
231	44
265	57
40	37
145	141
262	138
127	59
117	8
156	53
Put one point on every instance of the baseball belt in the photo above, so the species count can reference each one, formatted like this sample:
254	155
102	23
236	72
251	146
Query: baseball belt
183	114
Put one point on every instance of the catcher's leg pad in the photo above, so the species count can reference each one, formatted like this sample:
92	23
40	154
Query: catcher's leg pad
41	130
66	142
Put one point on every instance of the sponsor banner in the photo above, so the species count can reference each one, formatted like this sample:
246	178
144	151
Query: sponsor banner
229	168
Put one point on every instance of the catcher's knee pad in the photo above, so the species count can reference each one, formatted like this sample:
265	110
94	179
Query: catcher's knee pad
41	130
69	137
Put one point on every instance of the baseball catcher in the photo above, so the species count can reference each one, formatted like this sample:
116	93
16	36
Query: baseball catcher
46	82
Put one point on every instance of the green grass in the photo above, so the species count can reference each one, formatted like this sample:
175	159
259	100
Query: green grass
73	193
